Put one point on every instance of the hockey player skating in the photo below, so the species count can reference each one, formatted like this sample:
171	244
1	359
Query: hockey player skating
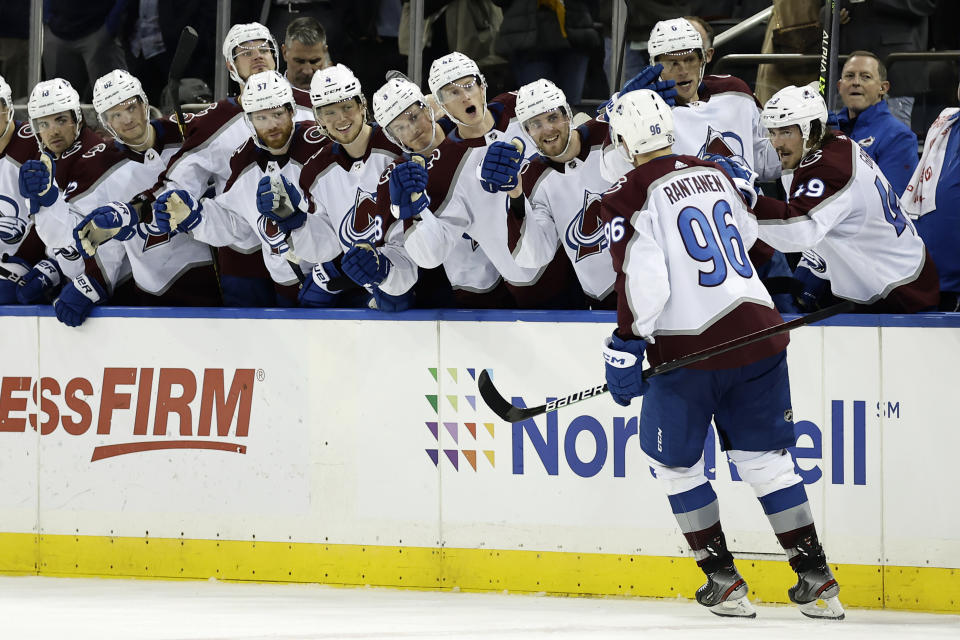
562	186
167	269
341	186
277	148
842	213
679	233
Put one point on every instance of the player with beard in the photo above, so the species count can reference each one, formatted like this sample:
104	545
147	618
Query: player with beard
277	149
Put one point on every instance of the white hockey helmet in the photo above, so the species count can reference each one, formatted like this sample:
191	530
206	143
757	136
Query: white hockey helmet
451	67
795	105
115	88
53	96
542	96
392	99
335	84
266	90
640	122
237	36
673	36
6	104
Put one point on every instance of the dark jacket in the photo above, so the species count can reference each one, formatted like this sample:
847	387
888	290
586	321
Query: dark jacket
527	26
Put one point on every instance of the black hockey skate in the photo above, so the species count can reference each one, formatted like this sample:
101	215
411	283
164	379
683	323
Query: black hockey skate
815	584
725	594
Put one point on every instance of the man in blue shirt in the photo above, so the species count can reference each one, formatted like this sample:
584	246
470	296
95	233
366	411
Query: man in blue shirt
867	119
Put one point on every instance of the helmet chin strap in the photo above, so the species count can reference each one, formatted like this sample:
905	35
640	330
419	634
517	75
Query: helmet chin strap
6	129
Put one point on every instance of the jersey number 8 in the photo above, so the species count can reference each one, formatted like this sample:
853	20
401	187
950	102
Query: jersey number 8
718	247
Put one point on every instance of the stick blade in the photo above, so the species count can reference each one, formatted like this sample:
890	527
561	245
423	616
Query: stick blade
499	405
185	46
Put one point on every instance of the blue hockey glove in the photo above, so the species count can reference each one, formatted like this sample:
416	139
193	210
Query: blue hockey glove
406	181
37	184
500	170
12	272
812	288
279	200
112	220
624	368
322	287
365	265
39	282
392	304
744	179
176	211
77	299
648	79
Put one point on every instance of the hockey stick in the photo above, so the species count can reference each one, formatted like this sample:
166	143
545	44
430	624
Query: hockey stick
512	413
829	46
6	274
185	47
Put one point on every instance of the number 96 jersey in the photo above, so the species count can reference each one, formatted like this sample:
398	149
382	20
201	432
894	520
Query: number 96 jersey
679	233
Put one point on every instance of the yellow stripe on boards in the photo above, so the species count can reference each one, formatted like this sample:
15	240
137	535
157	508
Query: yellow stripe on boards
557	573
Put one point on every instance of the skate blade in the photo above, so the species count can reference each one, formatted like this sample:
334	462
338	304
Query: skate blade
739	608
831	609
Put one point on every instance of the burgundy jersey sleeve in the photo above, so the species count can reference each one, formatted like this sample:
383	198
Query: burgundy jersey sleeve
712	85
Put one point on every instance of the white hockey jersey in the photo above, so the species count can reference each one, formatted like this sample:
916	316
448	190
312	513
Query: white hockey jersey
842	208
679	235
155	259
343	209
562	206
232	218
726	121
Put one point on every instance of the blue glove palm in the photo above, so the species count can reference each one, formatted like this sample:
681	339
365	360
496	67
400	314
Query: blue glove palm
407	179
365	265
112	220
37	184
77	300
813	288
624	368
40	281
176	211
392	304
501	165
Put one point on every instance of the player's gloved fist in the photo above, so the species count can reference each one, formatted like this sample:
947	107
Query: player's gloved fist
408	182
36	182
391	304
321	288
500	169
77	299
112	220
176	211
744	179
12	272
624	368
365	265
279	200
642	80
812	288
42	279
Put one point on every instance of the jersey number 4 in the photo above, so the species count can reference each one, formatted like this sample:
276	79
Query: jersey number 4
717	245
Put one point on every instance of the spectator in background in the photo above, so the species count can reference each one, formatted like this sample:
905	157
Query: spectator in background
548	39
151	32
885	27
794	27
304	50
376	46
15	45
277	14
80	41
866	118
641	16
932	199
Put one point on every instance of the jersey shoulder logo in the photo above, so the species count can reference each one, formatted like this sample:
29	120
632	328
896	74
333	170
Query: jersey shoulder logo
585	232
361	224
12	227
866	142
152	236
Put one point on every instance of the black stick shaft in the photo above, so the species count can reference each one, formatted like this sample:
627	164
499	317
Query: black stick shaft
185	47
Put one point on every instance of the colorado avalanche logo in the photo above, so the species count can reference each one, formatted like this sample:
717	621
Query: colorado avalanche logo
585	232
724	143
67	253
813	261
12	226
361	224
152	236
271	234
